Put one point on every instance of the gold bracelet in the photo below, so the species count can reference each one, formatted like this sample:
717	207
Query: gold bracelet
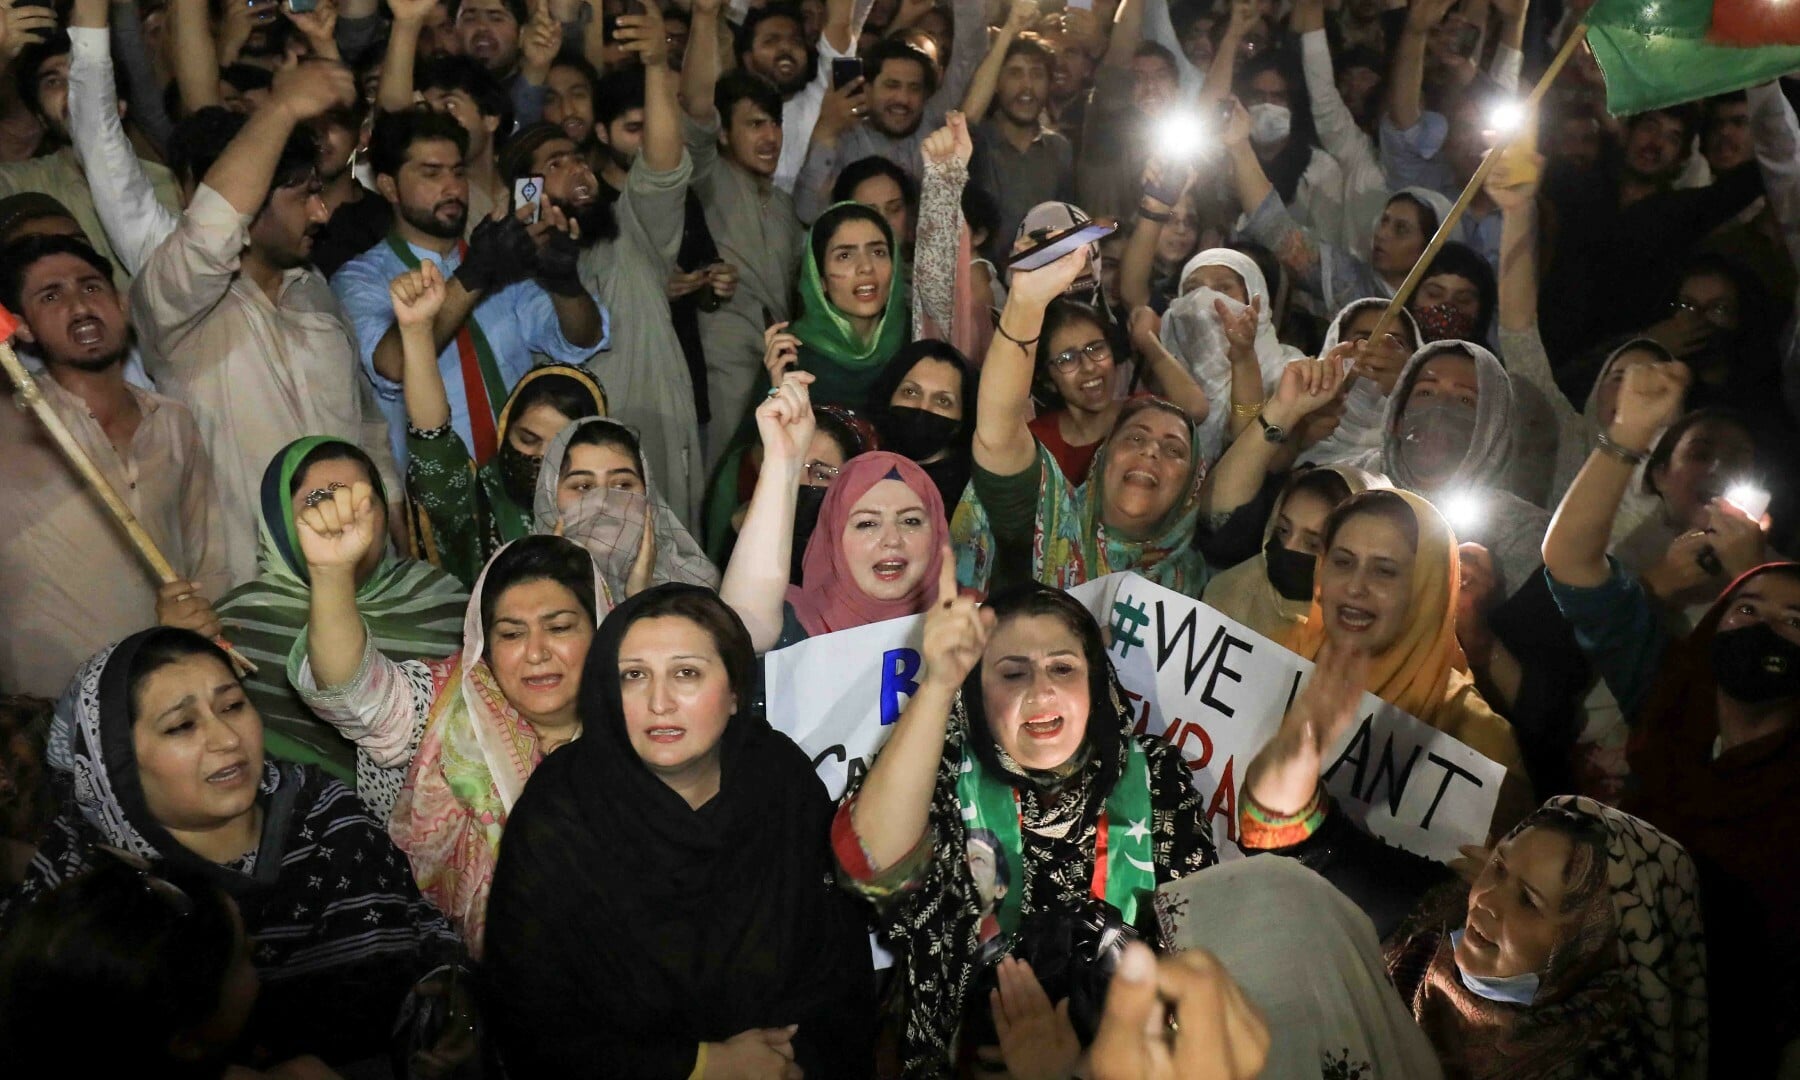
1248	412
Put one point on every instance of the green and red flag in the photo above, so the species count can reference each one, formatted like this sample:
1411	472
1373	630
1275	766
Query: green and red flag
1657	53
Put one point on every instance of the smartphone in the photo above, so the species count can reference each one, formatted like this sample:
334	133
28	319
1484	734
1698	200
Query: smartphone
1058	245
529	189
301	7
1081	5
845	70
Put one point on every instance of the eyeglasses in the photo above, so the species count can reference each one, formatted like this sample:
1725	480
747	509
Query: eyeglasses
171	894
1068	360
820	474
1720	313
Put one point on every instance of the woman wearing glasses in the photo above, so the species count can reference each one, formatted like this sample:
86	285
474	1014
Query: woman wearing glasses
1024	518
168	754
1080	380
874	555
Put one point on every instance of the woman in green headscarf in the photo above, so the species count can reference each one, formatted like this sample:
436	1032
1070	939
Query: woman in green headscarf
853	306
462	512
413	610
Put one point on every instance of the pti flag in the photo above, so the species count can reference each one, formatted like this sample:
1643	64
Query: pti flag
1656	53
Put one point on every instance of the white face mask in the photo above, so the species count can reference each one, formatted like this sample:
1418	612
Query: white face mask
1269	123
1511	990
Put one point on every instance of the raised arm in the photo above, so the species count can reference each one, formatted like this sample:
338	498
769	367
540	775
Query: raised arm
1514	190
417	296
1306	386
1575	546
987	75
1220	76
395	94
1167	375
644	37
936	262
1127	33
1003	442
1163	190
893	807
756	579
1246	171
242	173
700	65
335	534
1407	77
195	56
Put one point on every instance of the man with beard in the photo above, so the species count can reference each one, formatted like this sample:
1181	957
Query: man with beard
901	100
630	232
359	217
43	74
71	580
733	132
771	44
1020	161
492	320
1626	233
513	44
463	87
235	324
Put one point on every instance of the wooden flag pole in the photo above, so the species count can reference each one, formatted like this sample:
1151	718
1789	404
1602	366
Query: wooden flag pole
1445	227
30	397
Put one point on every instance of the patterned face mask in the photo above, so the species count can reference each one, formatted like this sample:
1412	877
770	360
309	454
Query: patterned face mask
1445	322
518	473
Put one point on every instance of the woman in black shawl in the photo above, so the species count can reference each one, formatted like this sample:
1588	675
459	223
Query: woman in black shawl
166	751
663	905
1012	807
923	407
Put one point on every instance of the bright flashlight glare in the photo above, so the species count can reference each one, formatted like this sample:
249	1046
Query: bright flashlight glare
1464	510
1180	134
1506	116
1749	498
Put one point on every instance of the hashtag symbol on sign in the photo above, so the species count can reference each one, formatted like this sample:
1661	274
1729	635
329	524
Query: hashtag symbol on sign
1125	622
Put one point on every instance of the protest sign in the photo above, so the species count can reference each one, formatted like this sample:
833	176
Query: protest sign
1211	687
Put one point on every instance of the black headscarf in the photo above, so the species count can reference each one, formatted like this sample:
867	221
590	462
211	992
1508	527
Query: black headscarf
951	474
626	927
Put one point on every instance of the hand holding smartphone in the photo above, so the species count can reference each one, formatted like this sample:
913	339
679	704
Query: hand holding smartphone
1055	246
845	70
529	191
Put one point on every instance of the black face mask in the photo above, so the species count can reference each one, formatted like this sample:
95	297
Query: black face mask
806	519
1291	572
1754	664
914	433
518	474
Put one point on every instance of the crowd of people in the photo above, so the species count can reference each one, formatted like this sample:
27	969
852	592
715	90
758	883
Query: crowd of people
502	380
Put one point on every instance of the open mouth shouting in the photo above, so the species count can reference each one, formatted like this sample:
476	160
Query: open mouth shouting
542	684
866	294
87	331
890	570
1143	478
1043	727
666	734
1352	619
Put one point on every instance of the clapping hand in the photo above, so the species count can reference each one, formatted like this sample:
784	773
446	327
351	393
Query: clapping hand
1240	326
1285	772
1037	1039
1306	386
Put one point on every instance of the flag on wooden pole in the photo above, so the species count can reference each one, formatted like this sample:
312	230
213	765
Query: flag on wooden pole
1656	53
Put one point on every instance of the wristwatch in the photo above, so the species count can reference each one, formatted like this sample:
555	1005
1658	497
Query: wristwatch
1271	432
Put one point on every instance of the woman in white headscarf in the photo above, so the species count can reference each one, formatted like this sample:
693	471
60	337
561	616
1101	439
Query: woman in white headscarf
1309	959
1378	369
1219	326
1447	434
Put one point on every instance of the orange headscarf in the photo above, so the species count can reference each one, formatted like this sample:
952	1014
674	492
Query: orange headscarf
1414	673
